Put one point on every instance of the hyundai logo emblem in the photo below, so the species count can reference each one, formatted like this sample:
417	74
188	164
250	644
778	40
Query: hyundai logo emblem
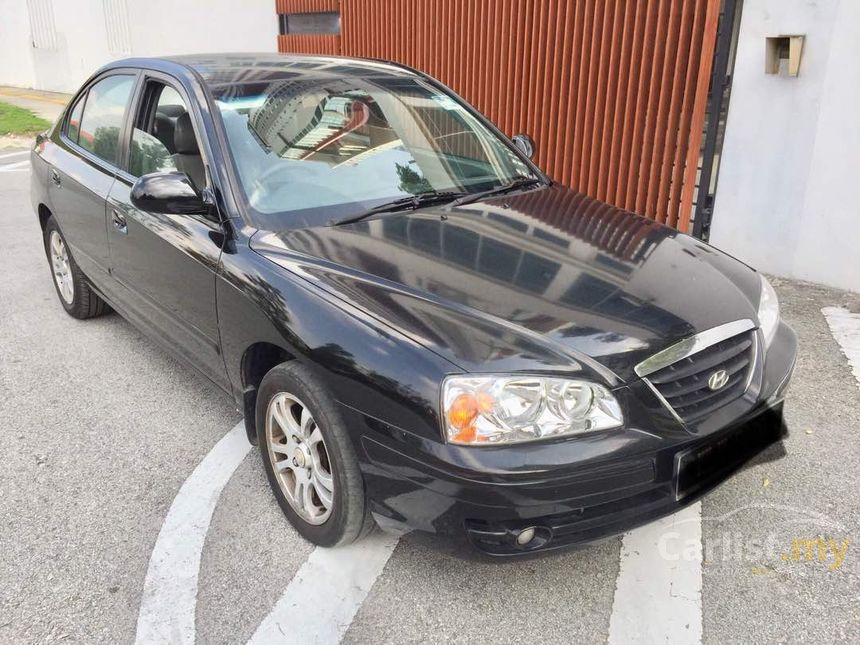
718	379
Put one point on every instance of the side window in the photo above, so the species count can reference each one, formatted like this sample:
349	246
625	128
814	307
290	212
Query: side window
163	138
148	154
101	122
73	125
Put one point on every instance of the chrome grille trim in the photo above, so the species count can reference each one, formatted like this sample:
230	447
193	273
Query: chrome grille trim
740	330
691	345
664	402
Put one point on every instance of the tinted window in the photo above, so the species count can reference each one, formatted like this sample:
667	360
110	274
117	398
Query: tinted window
74	124
103	115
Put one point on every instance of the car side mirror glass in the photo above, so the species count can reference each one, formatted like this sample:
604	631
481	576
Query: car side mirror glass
524	144
167	192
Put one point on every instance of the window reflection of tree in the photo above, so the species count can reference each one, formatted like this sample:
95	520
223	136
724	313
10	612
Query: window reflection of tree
104	142
148	154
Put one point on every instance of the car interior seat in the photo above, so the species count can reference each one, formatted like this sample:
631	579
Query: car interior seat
163	129
187	154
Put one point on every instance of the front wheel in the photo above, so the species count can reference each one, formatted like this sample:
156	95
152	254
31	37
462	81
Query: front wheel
309	458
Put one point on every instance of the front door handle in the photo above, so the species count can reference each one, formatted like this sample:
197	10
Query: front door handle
55	178
119	222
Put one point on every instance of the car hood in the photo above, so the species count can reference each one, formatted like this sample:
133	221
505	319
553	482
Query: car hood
548	280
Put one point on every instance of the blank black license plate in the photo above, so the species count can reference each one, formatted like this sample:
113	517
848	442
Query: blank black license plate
708	463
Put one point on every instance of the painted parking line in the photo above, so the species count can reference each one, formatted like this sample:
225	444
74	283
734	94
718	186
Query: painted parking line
845	327
20	165
168	606
658	594
323	597
318	604
14	154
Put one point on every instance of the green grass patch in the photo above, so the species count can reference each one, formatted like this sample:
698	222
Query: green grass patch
15	120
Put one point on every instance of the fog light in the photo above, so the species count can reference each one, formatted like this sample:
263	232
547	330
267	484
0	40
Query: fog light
525	536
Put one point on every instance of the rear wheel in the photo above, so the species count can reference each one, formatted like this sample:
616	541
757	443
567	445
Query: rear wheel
309	458
75	294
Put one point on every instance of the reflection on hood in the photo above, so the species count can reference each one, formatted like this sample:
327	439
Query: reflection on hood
528	278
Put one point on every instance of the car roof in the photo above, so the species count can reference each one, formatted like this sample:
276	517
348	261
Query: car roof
231	68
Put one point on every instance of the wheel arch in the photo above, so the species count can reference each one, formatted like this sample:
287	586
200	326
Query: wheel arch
257	360
44	214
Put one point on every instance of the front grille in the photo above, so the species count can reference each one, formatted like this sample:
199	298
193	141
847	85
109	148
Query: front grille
684	384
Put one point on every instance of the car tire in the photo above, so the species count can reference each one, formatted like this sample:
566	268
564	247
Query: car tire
74	291
298	460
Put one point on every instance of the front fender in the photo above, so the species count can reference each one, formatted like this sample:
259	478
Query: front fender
367	365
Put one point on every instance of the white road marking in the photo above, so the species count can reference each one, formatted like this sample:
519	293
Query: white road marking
18	165
14	154
658	594
170	591
323	597
845	328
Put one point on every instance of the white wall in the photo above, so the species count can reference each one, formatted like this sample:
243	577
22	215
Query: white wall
16	66
787	199
155	28
164	27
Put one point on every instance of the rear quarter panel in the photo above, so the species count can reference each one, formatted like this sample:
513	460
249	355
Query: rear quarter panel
38	177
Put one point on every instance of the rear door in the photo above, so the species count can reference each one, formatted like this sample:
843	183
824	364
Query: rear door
166	264
84	164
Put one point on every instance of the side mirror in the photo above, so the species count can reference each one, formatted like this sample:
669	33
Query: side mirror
524	144
167	192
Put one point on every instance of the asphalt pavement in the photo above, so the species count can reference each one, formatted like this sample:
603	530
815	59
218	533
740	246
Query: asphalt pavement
102	432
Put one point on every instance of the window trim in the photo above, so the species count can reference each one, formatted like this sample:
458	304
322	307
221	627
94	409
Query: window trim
67	117
79	150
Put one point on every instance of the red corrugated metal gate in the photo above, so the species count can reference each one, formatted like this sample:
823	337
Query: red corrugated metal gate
613	91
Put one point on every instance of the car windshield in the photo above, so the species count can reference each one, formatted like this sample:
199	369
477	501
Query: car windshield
311	151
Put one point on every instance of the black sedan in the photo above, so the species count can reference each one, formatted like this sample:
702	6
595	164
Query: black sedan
423	330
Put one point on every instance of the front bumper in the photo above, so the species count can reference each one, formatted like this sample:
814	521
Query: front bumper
570	490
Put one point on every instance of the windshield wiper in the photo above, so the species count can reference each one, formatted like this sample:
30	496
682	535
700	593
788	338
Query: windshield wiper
514	184
412	202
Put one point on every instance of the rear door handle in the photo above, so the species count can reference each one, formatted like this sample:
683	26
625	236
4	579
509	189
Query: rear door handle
55	178
119	222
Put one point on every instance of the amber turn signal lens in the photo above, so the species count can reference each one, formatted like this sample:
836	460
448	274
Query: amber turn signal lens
467	435
463	411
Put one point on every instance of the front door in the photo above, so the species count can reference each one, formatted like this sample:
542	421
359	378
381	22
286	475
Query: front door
166	264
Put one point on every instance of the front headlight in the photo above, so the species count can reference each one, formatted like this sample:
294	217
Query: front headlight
768	311
482	410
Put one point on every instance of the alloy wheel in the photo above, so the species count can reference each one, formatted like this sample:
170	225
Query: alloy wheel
60	267
299	457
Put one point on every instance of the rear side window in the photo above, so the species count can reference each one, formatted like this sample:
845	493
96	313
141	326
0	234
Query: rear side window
103	114
74	124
